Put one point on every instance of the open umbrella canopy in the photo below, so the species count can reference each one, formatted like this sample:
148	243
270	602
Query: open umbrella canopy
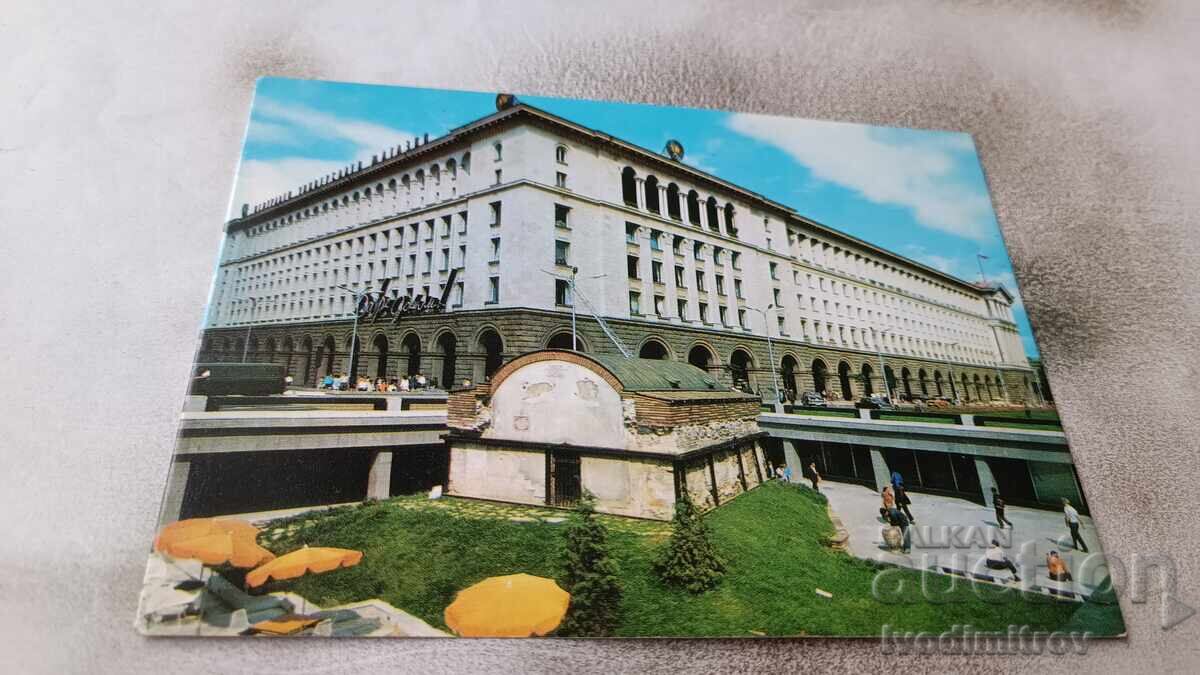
213	541
516	605
182	530
302	561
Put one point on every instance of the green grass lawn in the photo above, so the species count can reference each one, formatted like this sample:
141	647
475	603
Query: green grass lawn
419	553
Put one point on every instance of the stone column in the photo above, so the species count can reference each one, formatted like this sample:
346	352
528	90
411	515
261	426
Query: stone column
662	201
640	184
379	478
172	506
986	480
883	477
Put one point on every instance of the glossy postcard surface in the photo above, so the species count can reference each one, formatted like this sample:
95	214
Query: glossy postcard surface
496	365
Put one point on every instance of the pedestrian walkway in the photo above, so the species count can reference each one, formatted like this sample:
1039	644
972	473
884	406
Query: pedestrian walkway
955	532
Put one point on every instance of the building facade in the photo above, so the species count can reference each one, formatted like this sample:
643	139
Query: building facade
681	264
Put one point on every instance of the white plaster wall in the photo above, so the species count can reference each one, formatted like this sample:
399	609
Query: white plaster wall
496	473
631	487
557	402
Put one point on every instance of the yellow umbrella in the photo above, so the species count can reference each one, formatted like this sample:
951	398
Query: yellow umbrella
213	541
300	562
516	605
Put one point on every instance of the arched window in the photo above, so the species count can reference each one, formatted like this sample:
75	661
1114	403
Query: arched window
498	148
844	381
937	382
867	374
435	174
492	347
406	182
466	163
820	373
652	204
714	222
562	340
730	228
693	207
924	379
740	364
379	188
653	349
392	185
421	177
673	201
560	154
629	186
701	357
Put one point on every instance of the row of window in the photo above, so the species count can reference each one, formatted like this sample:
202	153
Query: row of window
650	194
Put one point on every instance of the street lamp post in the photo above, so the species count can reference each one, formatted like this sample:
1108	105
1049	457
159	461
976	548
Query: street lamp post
351	379
770	351
253	310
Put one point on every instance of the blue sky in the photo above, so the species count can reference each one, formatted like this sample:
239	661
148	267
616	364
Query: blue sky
919	193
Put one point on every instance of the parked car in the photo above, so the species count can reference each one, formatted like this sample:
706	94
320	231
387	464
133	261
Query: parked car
812	398
874	402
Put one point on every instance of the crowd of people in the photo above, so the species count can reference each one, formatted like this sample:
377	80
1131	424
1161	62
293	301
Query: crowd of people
414	382
894	510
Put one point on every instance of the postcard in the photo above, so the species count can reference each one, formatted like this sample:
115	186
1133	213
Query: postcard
502	365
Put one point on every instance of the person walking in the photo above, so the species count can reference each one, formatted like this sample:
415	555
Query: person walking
997	559
902	500
888	498
779	472
787	474
998	504
1071	517
814	476
898	519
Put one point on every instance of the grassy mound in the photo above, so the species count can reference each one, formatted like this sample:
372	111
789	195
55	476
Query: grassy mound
419	553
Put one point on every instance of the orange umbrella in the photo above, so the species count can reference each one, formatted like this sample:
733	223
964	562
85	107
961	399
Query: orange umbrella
197	527
516	605
213	541
302	561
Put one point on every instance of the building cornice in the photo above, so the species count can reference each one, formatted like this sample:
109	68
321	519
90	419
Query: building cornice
460	135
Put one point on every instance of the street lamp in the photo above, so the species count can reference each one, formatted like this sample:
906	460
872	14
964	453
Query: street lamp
770	349
253	310
358	295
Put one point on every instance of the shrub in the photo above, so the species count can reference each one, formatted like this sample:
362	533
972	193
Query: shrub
690	561
590	575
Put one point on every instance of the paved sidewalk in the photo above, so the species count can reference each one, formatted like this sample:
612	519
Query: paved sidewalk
957	532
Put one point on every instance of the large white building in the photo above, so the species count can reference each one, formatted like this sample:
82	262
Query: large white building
682	264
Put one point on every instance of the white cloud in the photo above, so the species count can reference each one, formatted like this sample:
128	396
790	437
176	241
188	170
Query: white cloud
290	127
884	166
365	135
259	180
963	270
700	162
